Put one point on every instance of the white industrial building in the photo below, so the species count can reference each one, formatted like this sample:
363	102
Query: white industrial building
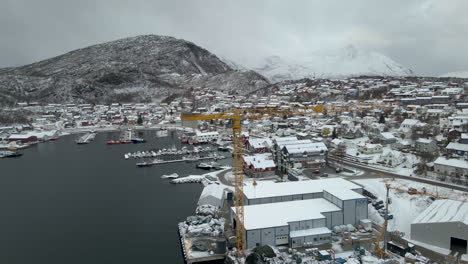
302	212
212	194
443	224
205	137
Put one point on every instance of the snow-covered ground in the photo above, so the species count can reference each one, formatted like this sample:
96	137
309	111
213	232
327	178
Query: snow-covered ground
404	207
207	178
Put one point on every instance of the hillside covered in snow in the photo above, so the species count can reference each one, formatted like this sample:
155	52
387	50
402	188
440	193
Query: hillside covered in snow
139	69
343	62
458	74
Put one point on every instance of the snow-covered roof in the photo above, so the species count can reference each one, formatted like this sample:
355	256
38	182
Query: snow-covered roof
308	147
424	140
457	146
260	161
266	189
388	135
410	122
337	141
280	214
293	142
199	133
451	162
283	139
444	211
390	152
212	194
260	142
344	194
310	232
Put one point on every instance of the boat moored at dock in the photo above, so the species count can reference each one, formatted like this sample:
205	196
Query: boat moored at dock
86	138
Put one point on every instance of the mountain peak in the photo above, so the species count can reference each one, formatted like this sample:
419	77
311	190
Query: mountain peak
140	68
342	62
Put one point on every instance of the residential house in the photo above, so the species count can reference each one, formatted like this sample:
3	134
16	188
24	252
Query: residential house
367	148
259	145
259	165
387	138
304	155
425	145
368	120
391	158
408	124
402	145
463	138
458	149
453	168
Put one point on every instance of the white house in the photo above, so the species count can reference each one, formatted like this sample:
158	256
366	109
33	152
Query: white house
391	158
259	165
368	148
368	120
408	124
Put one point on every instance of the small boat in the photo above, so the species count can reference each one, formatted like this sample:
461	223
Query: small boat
138	140
170	176
10	154
54	138
113	142
223	148
144	164
204	166
208	165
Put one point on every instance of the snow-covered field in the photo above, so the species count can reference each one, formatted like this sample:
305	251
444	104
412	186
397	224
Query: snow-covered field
404	207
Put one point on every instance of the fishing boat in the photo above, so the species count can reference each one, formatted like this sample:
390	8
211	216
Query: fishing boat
145	164
138	140
208	165
10	154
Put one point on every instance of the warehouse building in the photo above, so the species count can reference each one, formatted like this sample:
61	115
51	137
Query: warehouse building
271	192
443	224
300	213
212	194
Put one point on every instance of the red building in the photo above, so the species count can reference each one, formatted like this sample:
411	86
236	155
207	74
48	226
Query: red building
23	138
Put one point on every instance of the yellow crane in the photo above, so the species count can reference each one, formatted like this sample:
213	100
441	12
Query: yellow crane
236	116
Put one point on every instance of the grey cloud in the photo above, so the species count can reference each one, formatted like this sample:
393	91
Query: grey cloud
428	36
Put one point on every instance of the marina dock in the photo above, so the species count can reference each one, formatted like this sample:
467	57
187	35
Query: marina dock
190	256
155	162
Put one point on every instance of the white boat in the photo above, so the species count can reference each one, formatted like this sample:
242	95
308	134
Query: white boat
162	133
170	176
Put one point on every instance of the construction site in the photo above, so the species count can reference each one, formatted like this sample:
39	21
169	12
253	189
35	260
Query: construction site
338	217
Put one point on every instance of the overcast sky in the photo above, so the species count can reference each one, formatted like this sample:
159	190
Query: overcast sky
428	36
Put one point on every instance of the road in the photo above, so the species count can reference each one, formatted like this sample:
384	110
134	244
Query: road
374	173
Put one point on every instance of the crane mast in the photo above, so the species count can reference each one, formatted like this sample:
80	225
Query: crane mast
237	168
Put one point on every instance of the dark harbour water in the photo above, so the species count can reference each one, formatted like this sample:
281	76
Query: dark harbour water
66	203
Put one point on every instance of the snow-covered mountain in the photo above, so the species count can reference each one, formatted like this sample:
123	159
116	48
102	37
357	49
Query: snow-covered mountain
347	61
457	74
142	68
